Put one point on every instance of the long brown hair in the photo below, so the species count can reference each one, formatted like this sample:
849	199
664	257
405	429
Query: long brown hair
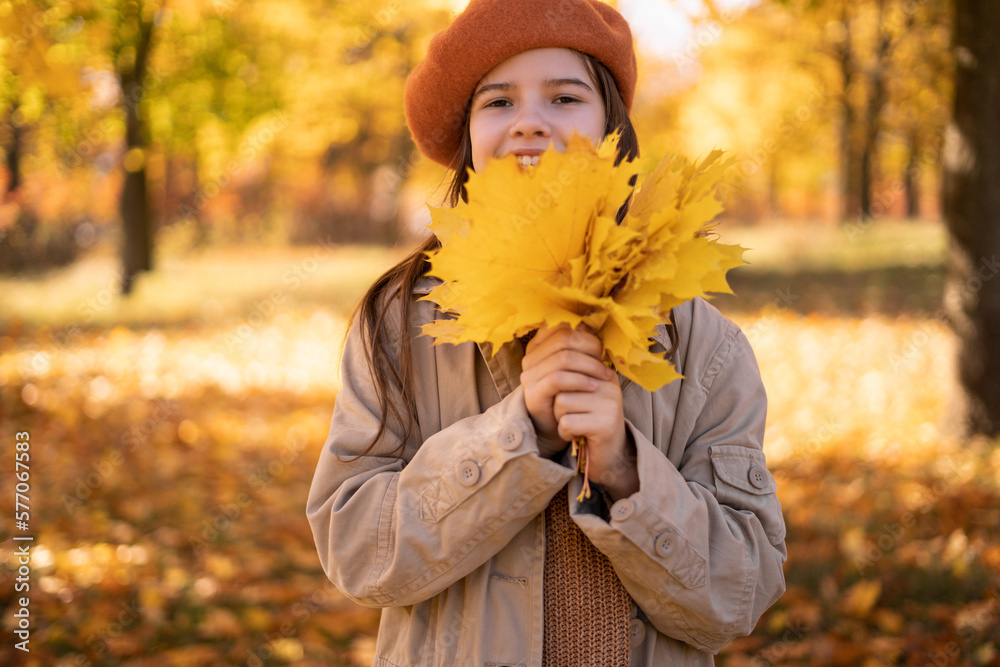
393	375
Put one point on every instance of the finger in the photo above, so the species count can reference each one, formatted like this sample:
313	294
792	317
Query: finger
588	425
575	402
545	337
550	340
543	333
606	400
548	385
555	358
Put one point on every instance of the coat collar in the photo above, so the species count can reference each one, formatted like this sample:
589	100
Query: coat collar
504	365
426	283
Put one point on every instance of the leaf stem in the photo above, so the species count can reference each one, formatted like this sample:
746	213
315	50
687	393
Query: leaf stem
582	465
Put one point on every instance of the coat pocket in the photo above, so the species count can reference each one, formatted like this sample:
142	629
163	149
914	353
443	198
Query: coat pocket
743	482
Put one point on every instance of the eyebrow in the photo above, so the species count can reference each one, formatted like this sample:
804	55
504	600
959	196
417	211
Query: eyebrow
548	83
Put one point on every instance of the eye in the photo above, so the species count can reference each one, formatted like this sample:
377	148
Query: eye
566	99
497	103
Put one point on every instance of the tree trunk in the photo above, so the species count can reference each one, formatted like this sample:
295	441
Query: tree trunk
137	236
865	191
876	100
971	204
911	179
772	187
13	150
846	122
137	246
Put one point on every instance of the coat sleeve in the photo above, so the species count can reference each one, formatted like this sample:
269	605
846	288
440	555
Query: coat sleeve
397	530
700	546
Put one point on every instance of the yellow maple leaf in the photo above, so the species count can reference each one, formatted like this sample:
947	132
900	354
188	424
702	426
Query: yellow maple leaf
540	246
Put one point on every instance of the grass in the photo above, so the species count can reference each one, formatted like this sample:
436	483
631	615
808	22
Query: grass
796	246
208	287
892	268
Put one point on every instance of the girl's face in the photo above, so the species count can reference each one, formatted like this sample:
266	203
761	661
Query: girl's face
531	101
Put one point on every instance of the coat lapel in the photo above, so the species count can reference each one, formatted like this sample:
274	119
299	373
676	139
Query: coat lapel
504	366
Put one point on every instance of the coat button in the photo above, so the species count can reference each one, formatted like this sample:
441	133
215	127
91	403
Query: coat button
638	633
757	476
622	509
511	437
468	473
664	544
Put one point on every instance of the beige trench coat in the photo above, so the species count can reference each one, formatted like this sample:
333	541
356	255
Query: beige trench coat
450	539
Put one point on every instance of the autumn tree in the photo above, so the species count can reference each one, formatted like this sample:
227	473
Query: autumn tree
222	69
845	33
37	72
918	103
133	32
888	91
40	91
349	144
47	48
747	83
971	200
819	100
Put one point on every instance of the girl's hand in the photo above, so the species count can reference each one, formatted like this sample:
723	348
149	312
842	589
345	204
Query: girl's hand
570	394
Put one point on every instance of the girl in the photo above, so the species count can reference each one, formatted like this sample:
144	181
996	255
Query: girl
446	492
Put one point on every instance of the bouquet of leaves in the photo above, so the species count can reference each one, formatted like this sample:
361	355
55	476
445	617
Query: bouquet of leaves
541	246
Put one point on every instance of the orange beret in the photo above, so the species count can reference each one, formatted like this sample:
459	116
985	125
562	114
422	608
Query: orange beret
487	33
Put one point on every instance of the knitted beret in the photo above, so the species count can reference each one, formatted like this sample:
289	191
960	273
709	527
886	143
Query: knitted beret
487	33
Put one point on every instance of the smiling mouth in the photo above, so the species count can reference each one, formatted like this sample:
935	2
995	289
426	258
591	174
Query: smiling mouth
528	160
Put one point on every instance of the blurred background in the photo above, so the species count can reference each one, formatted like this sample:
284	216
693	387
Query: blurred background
196	193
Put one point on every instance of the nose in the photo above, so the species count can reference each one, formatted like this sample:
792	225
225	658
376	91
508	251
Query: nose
530	121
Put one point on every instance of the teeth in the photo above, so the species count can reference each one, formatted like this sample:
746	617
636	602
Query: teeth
528	160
